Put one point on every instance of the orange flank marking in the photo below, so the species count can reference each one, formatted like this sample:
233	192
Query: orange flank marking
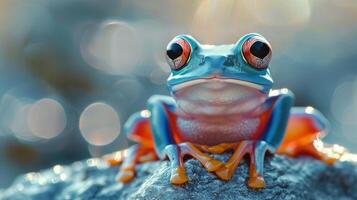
302	138
141	133
300	133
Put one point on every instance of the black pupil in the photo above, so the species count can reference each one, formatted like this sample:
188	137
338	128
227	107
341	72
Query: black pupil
174	51
259	49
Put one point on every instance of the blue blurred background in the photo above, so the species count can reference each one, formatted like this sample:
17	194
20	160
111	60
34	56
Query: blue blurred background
72	71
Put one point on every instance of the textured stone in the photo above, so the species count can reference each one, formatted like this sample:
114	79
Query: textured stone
286	178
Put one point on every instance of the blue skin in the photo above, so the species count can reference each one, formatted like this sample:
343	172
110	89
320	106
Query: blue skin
219	101
238	69
228	62
219	62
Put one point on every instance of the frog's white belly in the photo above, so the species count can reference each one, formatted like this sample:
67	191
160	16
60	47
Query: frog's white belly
214	111
212	133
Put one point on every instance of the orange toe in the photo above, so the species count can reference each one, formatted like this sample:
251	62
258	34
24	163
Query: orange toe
113	162
116	158
224	173
213	165
126	175
178	176
256	182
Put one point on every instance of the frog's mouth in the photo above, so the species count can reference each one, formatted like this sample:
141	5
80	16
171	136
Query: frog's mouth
217	83
218	95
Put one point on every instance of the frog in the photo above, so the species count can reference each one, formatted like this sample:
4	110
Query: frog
221	100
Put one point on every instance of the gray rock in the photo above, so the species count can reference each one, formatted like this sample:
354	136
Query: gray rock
286	178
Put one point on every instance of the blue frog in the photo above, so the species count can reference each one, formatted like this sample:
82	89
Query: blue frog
221	99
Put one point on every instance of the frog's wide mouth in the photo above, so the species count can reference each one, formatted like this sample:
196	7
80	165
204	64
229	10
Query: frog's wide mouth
217	80
216	96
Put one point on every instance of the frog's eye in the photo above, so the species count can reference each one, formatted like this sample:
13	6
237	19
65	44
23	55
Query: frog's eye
178	53
257	52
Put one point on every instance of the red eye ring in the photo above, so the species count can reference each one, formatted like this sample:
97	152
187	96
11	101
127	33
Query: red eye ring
257	52
178	53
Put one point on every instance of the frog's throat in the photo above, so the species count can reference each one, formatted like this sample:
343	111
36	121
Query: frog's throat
225	80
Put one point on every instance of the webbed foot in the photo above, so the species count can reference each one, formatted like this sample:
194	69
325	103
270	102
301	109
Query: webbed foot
126	174
176	154
217	149
115	158
256	182
178	176
226	172
129	158
256	150
208	162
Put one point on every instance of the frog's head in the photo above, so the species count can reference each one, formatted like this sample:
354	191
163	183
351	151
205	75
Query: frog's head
225	78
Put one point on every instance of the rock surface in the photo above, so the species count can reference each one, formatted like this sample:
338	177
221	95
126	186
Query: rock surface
286	178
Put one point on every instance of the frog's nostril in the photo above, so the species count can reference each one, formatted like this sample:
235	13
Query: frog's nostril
229	61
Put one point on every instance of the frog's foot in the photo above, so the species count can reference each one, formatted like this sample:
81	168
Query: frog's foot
116	158
129	159
302	137
218	149
208	162
256	150
178	174
227	171
326	152
176	154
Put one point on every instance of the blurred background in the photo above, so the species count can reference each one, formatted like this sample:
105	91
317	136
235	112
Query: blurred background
72	71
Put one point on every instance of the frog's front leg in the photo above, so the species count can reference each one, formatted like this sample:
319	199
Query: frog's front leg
280	102
164	132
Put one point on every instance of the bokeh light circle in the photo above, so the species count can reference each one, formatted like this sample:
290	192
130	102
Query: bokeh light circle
343	103
99	124
19	126
113	48
46	118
